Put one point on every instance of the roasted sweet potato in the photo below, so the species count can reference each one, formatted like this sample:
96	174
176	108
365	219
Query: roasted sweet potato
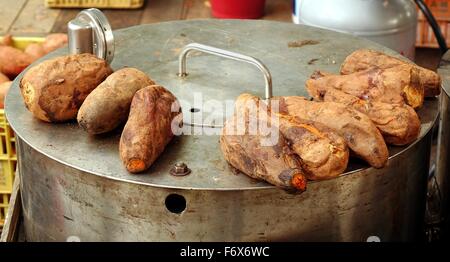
155	114
397	85
321	152
35	50
258	155
364	59
361	135
54	41
13	61
55	89
108	105
4	87
7	40
3	78
399	123
276	164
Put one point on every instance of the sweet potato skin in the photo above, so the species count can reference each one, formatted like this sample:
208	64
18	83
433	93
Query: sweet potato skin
286	151
13	61
364	59
55	89
54	41
397	85
398	122
155	114
108	105
35	50
3	78
4	88
260	156
321	152
361	135
51	43
7	40
276	164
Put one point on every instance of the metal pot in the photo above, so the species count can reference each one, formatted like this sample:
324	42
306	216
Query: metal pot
391	23
74	186
443	156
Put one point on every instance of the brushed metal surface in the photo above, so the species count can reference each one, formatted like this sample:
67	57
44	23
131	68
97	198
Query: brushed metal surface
219	120
61	203
443	156
75	185
155	49
90	32
391	23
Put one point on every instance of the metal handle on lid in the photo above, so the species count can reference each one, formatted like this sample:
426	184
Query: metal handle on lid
227	54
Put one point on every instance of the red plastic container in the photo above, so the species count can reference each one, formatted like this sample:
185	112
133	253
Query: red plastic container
238	9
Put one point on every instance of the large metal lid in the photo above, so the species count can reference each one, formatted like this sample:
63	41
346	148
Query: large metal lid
154	49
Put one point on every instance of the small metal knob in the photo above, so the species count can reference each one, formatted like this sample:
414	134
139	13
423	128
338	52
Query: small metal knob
180	169
90	32
80	37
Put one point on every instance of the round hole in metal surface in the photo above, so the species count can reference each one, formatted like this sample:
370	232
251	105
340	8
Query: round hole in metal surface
194	110
175	203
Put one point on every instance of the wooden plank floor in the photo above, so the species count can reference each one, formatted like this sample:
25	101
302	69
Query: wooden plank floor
32	18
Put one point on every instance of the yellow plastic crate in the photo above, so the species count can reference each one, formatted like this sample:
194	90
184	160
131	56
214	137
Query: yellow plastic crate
7	171
4	203
8	157
8	164
125	4
22	42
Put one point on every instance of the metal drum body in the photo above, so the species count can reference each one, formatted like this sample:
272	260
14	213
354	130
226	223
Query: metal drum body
74	186
443	156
